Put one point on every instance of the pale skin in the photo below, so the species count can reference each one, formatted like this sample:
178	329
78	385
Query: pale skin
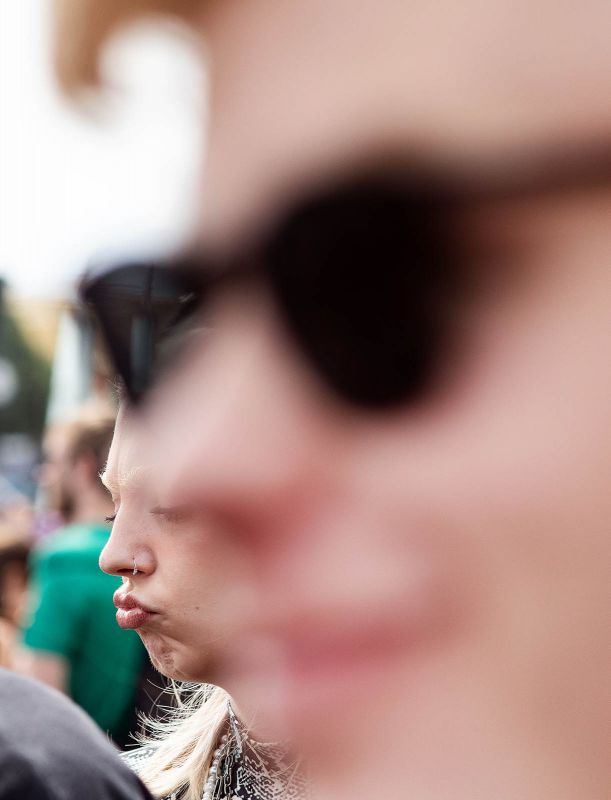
176	576
419	599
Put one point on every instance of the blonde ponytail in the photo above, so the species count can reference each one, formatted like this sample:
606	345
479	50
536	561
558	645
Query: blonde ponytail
182	744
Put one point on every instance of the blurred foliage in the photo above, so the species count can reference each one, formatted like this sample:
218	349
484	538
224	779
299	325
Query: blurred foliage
25	414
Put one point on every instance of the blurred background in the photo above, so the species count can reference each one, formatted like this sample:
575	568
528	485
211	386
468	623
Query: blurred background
113	180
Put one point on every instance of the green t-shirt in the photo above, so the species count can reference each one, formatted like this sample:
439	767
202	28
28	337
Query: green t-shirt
72	615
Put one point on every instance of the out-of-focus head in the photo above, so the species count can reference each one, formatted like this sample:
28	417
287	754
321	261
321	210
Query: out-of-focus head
423	593
14	552
74	455
15	536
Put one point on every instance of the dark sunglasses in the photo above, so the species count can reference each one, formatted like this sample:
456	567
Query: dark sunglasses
358	272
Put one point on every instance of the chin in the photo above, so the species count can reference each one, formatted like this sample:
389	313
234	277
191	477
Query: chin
169	663
162	657
164	665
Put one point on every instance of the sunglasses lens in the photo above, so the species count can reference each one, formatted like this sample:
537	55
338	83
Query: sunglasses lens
143	311
356	276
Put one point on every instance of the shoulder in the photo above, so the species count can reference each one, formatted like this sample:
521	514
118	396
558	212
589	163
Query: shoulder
19	780
50	749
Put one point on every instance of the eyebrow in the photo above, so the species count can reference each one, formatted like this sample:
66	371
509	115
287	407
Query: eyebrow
117	482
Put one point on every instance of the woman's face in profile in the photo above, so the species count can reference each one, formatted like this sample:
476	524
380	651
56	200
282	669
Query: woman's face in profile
170	600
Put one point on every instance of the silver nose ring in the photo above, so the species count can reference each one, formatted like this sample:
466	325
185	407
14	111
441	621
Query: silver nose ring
135	570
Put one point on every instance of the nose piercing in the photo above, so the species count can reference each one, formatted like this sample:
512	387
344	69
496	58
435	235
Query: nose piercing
135	570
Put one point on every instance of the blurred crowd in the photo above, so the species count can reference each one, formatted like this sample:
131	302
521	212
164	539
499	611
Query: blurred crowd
57	620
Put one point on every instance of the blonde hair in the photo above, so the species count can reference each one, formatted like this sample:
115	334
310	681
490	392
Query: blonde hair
83	26
183	743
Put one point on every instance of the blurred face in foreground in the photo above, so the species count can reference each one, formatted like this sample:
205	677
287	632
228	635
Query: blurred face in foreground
419	596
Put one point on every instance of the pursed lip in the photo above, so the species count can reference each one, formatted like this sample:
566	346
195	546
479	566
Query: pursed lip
131	613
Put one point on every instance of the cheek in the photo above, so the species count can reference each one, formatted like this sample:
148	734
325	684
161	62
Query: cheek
519	448
509	477
185	571
506	481
190	580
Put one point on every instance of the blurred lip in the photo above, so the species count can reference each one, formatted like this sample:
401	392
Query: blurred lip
299	673
336	652
131	613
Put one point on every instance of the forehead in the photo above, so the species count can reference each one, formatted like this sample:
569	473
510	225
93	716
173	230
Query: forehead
128	463
299	89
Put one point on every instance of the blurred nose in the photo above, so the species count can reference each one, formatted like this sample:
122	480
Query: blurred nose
244	433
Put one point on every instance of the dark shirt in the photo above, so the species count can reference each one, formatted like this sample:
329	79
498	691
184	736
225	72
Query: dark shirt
50	749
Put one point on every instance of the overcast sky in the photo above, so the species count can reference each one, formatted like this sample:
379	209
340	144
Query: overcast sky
72	188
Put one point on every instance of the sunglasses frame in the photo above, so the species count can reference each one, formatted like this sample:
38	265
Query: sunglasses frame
427	201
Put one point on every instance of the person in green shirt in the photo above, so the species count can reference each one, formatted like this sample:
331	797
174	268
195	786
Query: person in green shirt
71	639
